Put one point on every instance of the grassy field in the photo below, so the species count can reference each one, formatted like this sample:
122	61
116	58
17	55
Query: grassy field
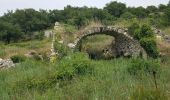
109	80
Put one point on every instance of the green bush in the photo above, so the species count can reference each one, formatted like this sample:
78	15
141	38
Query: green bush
149	44
139	66
61	49
18	58
78	64
146	38
133	28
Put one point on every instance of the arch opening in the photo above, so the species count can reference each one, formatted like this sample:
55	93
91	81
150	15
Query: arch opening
99	46
124	45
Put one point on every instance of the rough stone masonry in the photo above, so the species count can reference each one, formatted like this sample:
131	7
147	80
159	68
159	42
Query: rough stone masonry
125	45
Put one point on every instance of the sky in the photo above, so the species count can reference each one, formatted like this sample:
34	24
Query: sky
60	4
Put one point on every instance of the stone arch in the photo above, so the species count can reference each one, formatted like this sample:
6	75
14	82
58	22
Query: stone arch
125	45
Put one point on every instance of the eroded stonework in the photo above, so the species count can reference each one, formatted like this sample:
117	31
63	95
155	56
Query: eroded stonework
124	45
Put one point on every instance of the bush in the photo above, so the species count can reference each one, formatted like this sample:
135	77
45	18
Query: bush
149	44
133	28
18	58
61	49
139	66
77	63
146	38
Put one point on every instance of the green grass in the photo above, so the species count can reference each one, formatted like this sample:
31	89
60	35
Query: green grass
109	80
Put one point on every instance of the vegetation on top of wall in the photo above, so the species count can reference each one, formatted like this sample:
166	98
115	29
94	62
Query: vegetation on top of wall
146	38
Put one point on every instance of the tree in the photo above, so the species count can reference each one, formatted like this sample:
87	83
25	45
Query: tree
115	8
140	12
9	32
166	18
152	9
127	15
80	21
162	7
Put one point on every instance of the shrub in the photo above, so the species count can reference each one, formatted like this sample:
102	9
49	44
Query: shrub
133	28
61	49
18	58
149	44
78	64
146	38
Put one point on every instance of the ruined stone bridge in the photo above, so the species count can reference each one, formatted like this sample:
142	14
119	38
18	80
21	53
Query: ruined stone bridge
125	45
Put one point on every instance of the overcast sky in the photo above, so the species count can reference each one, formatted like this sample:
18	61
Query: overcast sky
60	4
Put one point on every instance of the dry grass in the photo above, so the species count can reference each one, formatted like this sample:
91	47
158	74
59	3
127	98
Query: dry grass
164	47
24	47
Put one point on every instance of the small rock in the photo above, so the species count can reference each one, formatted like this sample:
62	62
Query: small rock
71	45
6	63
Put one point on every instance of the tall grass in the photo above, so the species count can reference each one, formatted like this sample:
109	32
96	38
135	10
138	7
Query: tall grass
110	80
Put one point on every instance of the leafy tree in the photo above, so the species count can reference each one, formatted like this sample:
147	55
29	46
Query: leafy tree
115	8
162	7
167	17
9	32
80	21
127	15
140	12
152	9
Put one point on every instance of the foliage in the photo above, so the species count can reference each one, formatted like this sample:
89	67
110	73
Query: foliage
146	38
68	68
166	19
140	12
127	15
62	49
152	9
115	8
139	66
80	63
80	21
9	32
150	46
